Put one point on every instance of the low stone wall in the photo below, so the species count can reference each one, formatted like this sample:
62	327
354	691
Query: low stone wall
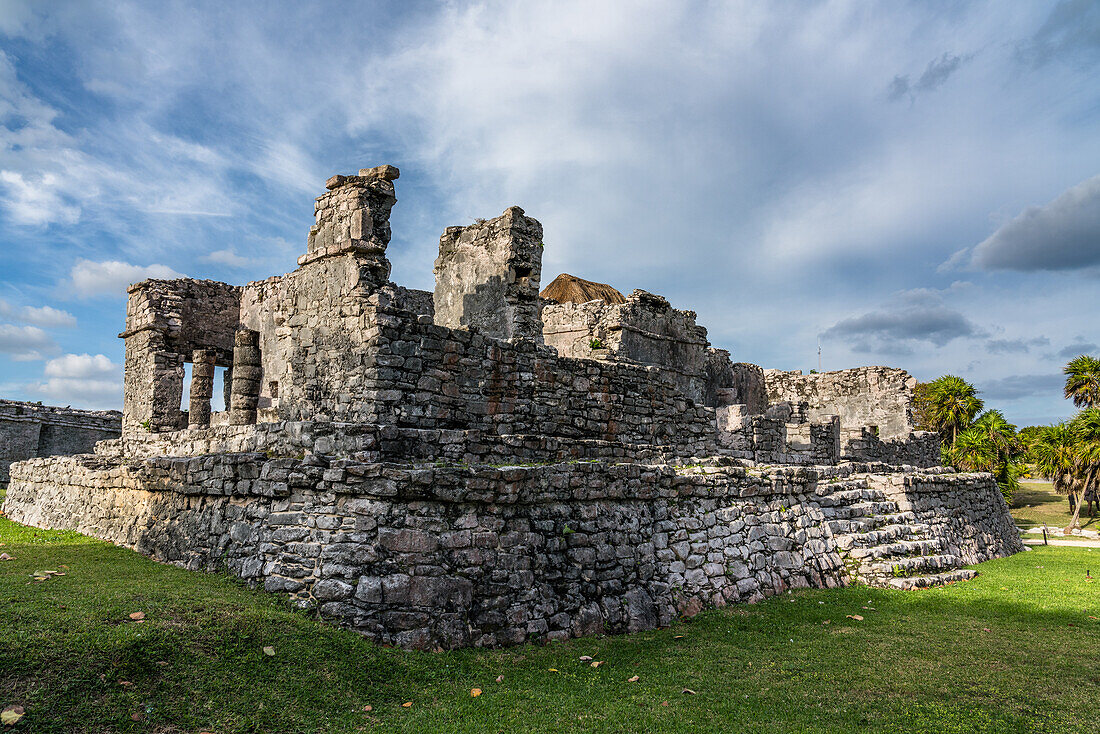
919	448
28	430
454	556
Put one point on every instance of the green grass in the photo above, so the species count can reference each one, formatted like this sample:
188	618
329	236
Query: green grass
1013	650
1038	504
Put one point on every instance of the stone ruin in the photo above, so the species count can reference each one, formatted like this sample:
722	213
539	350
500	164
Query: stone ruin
481	466
28	430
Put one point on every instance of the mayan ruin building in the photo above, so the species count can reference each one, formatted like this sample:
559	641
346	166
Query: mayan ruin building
489	464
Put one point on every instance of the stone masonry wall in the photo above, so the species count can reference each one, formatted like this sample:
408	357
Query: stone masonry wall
454	556
643	330
28	430
865	396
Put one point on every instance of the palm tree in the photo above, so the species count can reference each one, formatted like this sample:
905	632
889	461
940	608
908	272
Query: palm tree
1069	453
972	451
1055	456
1001	433
1083	381
1086	433
951	404
989	444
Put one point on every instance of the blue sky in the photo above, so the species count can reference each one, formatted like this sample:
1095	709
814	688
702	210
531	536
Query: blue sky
916	185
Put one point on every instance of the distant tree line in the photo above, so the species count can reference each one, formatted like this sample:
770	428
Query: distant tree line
1068	453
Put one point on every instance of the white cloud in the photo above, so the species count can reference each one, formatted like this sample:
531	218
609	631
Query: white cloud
25	343
47	316
226	257
80	365
113	277
83	380
36	201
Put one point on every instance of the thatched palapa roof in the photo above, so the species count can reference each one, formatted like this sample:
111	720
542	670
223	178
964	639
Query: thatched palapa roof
568	288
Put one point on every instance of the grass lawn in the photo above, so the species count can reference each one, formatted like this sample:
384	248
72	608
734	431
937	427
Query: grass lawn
1014	650
1038	504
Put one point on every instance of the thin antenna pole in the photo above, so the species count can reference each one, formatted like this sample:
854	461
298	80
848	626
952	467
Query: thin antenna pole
819	354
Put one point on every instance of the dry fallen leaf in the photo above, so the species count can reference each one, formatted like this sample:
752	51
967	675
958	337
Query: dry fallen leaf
475	692
6	557
827	621
137	615
125	683
986	629
500	679
269	651
368	709
11	715
1092	617
585	658
553	670
596	663
137	716
688	691
632	680
162	663
664	703
677	637
407	705
856	617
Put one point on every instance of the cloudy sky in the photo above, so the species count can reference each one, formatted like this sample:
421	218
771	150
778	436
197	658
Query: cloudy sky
916	185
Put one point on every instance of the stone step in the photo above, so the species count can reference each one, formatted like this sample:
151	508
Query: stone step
883	535
936	579
867	524
912	564
861	511
901	548
848	497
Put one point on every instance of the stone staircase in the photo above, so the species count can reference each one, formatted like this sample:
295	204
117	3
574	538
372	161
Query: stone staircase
883	546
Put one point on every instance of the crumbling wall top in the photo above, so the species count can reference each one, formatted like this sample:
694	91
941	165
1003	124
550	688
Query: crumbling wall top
353	217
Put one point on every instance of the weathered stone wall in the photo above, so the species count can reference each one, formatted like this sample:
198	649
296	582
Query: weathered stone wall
643	330
425	376
749	387
865	396
28	430
487	277
919	448
454	556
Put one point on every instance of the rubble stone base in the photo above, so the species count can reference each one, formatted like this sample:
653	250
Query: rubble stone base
451	556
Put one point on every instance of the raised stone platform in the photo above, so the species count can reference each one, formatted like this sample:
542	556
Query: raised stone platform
447	556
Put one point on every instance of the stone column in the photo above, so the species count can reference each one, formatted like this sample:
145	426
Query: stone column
247	374
227	387
202	387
